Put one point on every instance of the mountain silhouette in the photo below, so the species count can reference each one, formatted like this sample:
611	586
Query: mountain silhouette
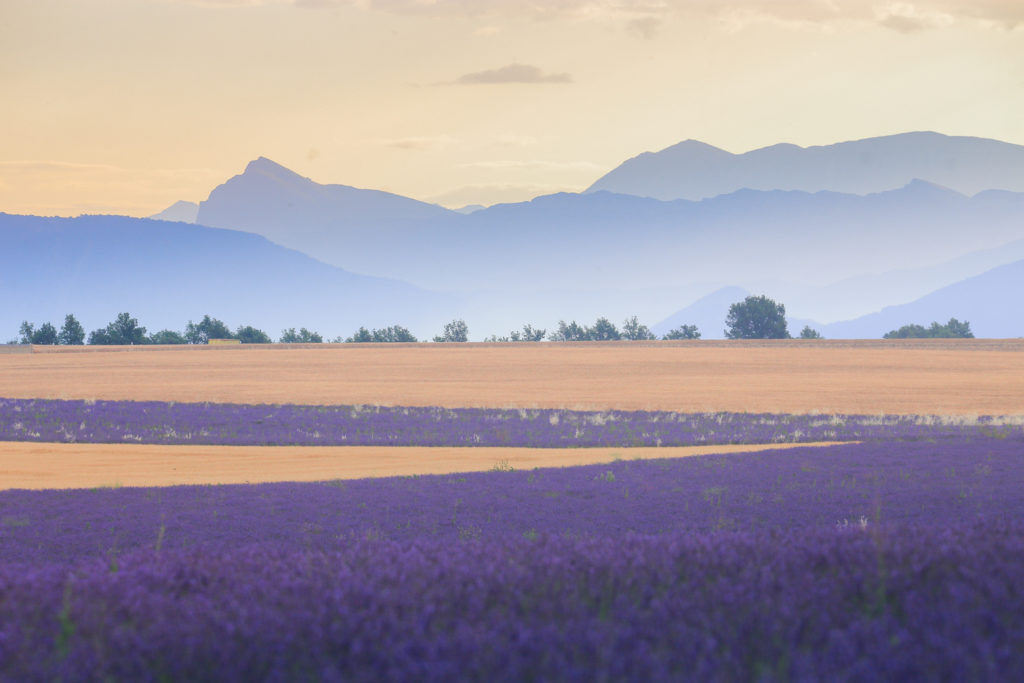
168	273
695	170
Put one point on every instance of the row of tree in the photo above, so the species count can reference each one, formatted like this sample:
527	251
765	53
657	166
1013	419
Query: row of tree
954	329
756	317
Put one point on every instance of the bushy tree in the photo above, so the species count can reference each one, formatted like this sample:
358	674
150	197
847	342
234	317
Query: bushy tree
303	336
683	332
569	332
953	329
360	336
634	331
45	335
248	334
390	334
808	333
71	332
124	330
455	331
603	330
756	317
167	337
529	334
208	328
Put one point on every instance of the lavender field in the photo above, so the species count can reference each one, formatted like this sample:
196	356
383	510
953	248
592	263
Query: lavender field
900	557
154	422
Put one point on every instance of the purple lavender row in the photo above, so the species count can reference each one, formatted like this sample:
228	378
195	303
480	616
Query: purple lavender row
846	486
246	425
933	603
871	561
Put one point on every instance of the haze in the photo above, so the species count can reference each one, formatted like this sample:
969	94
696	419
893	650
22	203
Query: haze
126	106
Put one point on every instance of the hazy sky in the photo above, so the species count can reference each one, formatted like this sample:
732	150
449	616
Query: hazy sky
125	106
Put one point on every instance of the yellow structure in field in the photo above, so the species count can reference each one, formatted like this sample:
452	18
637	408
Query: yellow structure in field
224	342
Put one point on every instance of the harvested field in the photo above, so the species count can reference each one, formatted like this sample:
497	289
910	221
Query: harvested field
58	465
942	377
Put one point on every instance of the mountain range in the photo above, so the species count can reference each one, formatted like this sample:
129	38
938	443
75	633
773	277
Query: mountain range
584	241
838	233
696	170
166	274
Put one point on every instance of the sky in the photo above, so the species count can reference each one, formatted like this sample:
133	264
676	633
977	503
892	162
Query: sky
126	106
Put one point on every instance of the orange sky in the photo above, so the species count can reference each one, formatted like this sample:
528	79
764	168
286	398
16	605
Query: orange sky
125	106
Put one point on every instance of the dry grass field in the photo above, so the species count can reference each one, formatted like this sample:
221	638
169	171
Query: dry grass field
944	377
57	465
962	377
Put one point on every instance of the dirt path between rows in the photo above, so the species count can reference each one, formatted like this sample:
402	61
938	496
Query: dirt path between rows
26	465
945	377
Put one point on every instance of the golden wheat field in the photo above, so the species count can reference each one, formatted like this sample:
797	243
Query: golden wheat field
962	377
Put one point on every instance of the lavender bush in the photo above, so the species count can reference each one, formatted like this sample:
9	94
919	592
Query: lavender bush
881	560
939	603
233	424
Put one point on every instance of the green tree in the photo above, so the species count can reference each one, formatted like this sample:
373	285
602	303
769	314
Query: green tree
71	332
25	332
455	331
529	334
208	328
634	331
391	334
683	332
303	336
603	330
394	334
953	329
569	332
248	334
167	337
808	333
45	335
124	330
756	317
361	336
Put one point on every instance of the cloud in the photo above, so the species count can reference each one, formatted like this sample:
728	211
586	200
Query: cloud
908	18
54	187
643	17
513	73
536	164
645	27
418	142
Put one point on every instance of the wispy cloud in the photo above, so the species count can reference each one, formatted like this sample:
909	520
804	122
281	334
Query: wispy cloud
418	142
512	73
536	164
29	186
643	17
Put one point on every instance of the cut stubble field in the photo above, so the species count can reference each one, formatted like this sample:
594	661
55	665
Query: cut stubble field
967	377
33	465
961	377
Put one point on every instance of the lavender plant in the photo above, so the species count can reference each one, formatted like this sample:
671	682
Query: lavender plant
886	559
234	424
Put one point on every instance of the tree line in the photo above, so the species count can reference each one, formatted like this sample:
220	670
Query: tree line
756	317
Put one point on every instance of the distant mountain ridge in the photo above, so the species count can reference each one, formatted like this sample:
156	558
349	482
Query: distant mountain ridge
283	206
581	240
695	170
168	273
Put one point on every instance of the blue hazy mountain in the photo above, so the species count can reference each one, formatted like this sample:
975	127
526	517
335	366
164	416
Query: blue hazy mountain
180	212
168	273
335	223
991	302
707	313
601	240
695	170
